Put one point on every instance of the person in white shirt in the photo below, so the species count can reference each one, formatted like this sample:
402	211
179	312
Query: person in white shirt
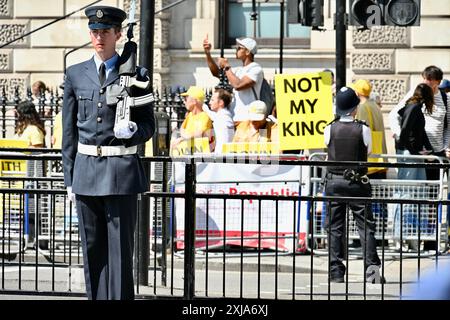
243	79
437	124
221	117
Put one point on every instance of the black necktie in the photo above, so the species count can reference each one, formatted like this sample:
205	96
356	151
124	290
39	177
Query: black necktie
102	74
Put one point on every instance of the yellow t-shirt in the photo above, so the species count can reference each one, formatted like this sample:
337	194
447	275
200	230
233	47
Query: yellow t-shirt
197	123
57	131
33	135
245	133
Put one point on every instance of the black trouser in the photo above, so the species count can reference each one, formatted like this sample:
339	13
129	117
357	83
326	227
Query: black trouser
106	226
336	185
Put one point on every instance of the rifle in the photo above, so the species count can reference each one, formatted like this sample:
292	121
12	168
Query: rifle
119	94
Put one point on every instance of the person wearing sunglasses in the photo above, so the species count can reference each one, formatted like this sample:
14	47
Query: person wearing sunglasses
245	79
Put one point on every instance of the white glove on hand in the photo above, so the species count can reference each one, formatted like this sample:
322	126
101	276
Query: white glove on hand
125	129
70	194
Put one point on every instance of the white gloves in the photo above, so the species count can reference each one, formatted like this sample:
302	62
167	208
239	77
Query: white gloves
70	195
125	129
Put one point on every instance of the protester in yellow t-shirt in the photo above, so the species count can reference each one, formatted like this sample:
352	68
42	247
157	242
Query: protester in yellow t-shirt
197	123
29	125
253	129
369	111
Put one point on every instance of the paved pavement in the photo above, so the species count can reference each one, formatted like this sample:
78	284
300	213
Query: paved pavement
248	276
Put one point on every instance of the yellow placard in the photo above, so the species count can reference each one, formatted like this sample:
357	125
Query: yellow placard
13	167
251	148
304	108
17	168
191	146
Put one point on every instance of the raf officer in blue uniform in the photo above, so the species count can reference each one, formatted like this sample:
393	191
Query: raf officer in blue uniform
348	139
102	170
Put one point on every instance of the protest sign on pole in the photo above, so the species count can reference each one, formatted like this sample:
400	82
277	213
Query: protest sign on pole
304	108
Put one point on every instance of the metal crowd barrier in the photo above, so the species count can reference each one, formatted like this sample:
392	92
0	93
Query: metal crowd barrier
429	219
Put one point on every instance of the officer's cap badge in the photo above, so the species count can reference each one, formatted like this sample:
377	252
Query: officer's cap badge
99	13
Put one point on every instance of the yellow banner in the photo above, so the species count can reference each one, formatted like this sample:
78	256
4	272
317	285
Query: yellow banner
17	168
13	167
304	108
251	148
192	146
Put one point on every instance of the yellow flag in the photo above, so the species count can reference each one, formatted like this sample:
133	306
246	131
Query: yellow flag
13	167
251	148
191	146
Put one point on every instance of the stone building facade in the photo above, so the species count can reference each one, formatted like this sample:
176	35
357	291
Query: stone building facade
391	57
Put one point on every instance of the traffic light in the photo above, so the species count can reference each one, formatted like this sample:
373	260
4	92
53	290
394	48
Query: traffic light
402	13
369	13
315	10
365	13
306	12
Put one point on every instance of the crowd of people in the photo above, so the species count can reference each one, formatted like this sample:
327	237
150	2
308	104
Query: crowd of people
418	122
240	115
252	121
237	116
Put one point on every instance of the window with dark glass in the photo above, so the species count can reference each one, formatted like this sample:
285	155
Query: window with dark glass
266	30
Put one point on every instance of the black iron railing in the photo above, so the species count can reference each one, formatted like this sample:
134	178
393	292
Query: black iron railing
199	258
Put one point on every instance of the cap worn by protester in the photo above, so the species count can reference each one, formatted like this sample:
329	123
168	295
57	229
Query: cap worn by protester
346	101
257	111
104	17
362	87
196	93
248	44
445	84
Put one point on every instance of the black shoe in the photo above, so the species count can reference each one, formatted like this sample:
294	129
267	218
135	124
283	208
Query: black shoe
373	275
355	244
337	279
372	280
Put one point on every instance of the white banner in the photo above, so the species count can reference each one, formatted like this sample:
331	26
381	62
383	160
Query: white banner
253	217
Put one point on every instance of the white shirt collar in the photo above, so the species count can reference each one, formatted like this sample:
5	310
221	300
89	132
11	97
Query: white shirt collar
346	118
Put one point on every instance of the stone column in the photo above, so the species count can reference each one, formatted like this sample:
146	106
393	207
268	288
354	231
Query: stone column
161	62
11	29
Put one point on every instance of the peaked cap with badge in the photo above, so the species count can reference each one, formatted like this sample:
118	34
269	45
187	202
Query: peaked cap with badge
104	17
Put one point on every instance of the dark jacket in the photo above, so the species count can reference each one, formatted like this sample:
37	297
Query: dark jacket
412	135
89	120
347	144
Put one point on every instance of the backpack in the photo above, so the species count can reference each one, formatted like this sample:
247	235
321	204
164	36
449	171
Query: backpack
266	95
